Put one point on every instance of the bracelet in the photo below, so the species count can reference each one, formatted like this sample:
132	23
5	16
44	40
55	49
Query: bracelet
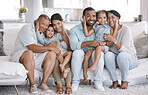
115	42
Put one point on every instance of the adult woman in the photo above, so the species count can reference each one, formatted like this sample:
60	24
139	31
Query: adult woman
122	54
58	26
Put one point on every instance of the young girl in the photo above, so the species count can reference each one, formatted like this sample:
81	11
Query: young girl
63	57
99	30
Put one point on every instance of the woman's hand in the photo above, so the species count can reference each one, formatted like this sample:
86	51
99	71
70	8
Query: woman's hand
64	36
84	20
109	37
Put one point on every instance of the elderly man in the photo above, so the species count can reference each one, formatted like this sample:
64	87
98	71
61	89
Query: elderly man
80	43
32	55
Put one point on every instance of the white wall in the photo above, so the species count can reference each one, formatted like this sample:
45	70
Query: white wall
35	9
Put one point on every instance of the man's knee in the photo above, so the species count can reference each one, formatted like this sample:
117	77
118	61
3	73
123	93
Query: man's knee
28	54
108	55
78	53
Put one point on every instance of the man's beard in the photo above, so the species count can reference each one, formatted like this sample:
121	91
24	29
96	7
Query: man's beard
89	24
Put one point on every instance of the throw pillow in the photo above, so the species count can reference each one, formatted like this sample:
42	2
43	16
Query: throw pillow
2	53
12	68
142	46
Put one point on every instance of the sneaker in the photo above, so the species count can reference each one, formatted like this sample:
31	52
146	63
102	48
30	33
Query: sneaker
33	89
44	87
99	86
75	86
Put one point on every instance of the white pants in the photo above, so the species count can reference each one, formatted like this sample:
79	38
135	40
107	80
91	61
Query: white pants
77	62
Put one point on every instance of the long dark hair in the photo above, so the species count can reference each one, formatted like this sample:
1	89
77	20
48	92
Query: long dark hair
56	16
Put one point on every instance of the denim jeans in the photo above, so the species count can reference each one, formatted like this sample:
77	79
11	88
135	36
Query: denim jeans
123	60
77	62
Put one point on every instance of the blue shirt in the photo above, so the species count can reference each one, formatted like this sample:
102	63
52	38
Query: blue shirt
45	41
100	30
77	37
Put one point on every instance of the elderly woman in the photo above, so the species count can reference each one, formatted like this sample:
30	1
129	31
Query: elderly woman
58	26
122	52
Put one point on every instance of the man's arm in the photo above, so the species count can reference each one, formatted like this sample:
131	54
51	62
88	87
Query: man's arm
40	49
73	39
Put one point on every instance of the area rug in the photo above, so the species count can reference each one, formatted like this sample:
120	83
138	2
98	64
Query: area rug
82	90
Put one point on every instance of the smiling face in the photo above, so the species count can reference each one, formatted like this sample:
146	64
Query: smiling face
112	19
90	17
102	18
58	25
43	24
50	32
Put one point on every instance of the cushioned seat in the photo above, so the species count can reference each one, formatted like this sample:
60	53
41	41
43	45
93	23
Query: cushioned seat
12	73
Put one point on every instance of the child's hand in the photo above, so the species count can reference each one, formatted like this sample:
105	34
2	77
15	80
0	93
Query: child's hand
37	25
84	20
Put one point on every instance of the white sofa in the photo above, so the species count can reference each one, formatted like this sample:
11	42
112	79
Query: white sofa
139	31
139	74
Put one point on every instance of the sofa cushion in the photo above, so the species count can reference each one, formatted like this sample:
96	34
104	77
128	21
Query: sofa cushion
142	46
139	31
2	53
12	69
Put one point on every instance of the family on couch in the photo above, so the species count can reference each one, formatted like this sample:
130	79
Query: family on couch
33	54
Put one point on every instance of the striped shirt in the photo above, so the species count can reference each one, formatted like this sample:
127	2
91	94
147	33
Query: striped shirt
25	37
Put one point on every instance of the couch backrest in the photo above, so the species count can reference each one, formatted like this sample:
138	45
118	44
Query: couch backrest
138	31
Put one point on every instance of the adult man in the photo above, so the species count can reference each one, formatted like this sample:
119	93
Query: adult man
32	55
80	43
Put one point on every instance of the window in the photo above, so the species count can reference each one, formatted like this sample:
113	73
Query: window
9	9
127	8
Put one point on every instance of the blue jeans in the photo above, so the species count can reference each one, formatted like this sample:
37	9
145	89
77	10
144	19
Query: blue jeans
77	62
123	60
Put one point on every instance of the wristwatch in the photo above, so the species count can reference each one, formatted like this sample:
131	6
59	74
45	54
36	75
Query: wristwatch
115	42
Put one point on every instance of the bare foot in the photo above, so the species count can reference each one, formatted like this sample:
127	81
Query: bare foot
85	78
62	67
93	67
65	72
